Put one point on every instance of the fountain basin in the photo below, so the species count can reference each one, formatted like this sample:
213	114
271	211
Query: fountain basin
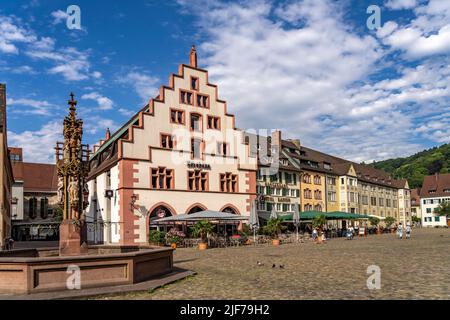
43	270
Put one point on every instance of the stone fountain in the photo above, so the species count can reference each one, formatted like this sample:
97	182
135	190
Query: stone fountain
53	269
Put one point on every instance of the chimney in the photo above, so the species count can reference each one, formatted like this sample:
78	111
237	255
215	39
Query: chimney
107	134
276	138
193	57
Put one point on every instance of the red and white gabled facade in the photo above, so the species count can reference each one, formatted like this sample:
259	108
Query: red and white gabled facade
180	153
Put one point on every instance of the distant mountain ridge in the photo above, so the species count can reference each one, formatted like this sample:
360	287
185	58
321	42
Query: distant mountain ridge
416	167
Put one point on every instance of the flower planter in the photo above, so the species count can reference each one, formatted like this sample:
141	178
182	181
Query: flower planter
202	246
276	242
173	245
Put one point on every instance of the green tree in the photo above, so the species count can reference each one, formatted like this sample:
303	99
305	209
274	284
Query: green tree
374	221
201	229
389	221
443	209
274	227
319	221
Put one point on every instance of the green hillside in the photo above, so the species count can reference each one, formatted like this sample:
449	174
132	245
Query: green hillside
415	167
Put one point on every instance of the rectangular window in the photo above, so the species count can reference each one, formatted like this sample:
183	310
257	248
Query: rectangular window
436	219
177	116
202	101
365	200
381	201
186	97
166	141
288	178
222	148
196	151
194	83
373	201
197	180
331	196
196	124
213	123
228	182
162	178
428	210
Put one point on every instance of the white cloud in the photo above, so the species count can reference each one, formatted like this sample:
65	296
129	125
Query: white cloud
126	112
38	146
11	34
302	68
34	107
145	85
59	16
427	35
104	103
401	4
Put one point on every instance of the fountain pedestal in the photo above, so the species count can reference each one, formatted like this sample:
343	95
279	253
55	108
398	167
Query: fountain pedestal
72	240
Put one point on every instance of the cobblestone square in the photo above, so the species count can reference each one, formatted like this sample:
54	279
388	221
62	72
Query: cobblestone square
410	269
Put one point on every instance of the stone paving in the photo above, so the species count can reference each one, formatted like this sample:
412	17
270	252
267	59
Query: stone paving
410	269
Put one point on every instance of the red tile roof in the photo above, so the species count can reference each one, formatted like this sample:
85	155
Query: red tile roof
40	177
437	185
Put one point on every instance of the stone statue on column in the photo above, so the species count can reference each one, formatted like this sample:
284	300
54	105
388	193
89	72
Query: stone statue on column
72	161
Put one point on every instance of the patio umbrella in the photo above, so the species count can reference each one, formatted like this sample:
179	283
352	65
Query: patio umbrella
273	214
296	219
253	220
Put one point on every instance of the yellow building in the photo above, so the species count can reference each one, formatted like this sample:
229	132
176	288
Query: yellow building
330	183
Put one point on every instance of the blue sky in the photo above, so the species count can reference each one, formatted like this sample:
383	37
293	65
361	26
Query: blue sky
311	68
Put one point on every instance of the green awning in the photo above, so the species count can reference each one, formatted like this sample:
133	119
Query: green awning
335	215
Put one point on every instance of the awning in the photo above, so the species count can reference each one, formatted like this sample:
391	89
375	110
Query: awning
208	215
309	215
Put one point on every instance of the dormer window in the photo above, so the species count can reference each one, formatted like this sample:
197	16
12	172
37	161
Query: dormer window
432	191
446	190
327	166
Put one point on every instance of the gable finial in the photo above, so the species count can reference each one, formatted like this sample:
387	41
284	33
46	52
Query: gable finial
193	57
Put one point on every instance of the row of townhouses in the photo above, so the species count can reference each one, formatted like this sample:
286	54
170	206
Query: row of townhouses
182	153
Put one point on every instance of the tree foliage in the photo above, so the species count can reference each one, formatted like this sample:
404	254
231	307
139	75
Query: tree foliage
416	167
443	209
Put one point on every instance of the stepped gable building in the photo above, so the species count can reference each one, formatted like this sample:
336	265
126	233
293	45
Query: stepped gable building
6	175
435	190
35	200
181	153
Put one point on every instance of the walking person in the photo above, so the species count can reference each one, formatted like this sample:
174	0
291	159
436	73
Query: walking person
400	231
408	231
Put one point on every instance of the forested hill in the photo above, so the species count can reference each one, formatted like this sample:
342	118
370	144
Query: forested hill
415	167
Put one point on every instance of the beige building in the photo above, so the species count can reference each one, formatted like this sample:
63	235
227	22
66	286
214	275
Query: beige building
35	201
6	175
179	154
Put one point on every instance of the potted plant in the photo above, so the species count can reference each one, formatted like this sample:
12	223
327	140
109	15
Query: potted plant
273	228
156	237
389	221
174	236
201	229
374	221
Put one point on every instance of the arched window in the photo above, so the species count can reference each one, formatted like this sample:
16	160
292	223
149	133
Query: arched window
229	210
195	209
160	212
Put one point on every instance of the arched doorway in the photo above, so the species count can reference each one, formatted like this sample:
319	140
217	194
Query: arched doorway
195	208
